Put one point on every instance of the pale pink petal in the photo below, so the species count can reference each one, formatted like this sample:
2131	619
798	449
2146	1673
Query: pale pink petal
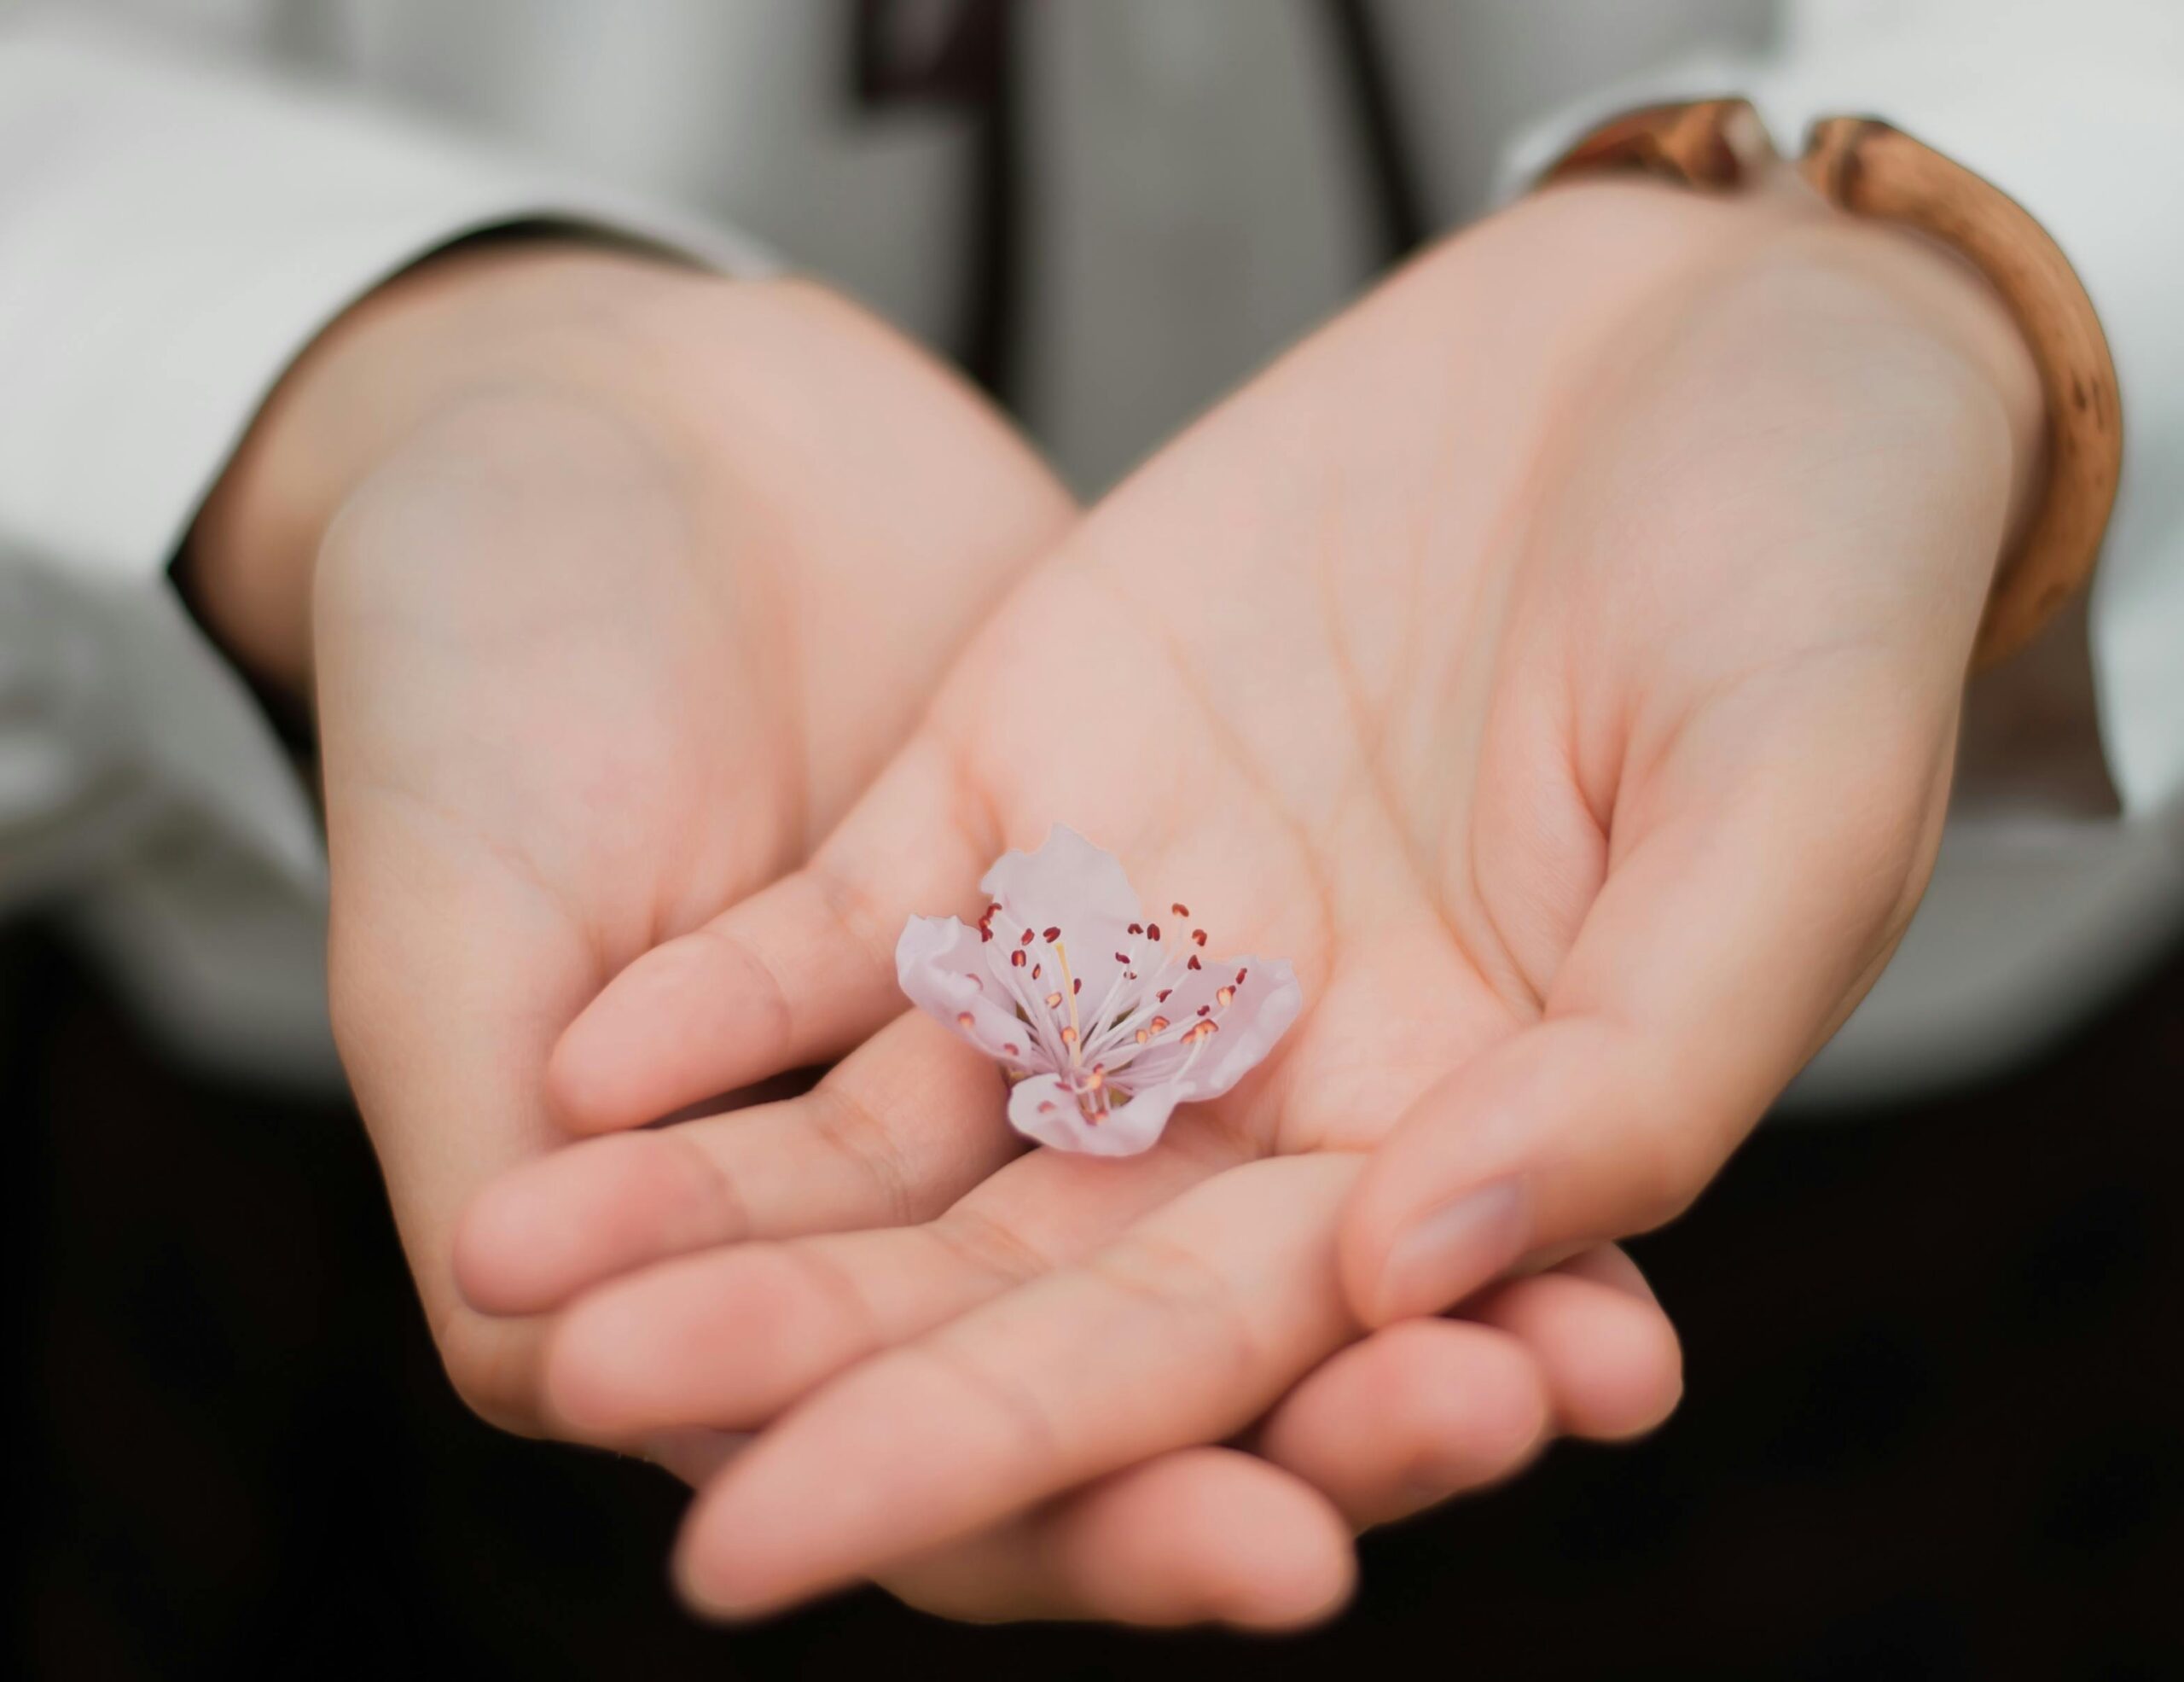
1044	1109
1084	893
941	964
1260	1011
1067	881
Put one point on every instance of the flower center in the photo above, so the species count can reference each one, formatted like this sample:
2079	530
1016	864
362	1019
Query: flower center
1130	1029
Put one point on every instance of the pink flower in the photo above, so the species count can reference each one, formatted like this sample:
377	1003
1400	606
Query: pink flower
1103	1019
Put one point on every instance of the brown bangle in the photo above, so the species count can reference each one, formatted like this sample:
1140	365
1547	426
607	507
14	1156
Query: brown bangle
1866	167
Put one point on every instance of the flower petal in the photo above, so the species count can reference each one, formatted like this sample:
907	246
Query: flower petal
1258	1013
940	962
1044	1109
1067	881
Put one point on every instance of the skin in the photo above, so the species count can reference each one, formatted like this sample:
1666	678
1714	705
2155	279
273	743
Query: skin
611	586
1558	657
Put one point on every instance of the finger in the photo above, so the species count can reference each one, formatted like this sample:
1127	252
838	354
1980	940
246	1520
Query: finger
1419	1411
732	1337
1611	1359
904	1126
1181	1331
796	974
1731	937
1202	1535
1425	1409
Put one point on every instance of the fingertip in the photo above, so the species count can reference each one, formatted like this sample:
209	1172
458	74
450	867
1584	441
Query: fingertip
1418	1412
1207	1535
603	1076
497	1239
1613	1361
601	1370
1471	1404
547	1229
1305	1582
582	1092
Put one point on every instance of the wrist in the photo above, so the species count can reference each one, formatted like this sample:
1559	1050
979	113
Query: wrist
1938	295
1844	308
531	314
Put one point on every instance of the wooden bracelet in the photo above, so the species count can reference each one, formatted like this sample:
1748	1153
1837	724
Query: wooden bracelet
1868	168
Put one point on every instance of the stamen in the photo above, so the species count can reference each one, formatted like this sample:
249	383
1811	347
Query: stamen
1194	964
1016	959
964	1019
1223	996
1181	910
1199	935
1050	935
1152	931
1027	937
1053	1001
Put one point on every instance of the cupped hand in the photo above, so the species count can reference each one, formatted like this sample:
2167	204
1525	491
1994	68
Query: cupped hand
1557	659
612	584
626	580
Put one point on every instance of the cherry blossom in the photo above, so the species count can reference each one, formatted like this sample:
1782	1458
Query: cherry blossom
1104	1016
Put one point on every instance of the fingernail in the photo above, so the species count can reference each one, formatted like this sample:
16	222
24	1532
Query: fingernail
1449	1252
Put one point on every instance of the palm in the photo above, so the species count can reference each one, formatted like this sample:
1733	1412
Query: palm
580	682
1448	704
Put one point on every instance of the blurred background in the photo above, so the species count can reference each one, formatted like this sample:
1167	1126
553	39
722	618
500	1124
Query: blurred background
1930	1429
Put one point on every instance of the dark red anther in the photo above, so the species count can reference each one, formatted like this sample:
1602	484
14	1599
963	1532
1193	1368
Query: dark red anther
984	933
1035	971
1203	1009
1122	957
1194	964
1027	938
1199	935
1240	974
1137	929
1161	997
1181	910
1152	931
1016	959
1050	935
1076	984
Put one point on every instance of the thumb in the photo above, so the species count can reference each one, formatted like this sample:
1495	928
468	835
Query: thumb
1752	898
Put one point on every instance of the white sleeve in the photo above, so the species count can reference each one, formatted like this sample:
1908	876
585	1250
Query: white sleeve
172	233
2077	112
